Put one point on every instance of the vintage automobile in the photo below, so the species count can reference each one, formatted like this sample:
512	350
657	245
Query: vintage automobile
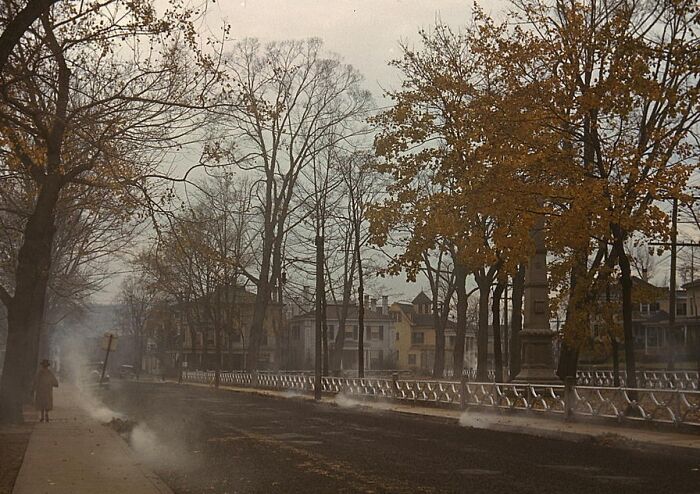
127	372
93	372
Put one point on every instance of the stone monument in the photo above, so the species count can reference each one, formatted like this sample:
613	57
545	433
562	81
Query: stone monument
536	355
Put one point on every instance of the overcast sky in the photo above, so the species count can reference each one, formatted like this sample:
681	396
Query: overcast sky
366	33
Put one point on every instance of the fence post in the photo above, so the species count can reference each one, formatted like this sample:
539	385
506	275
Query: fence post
394	384
463	392
569	385
254	379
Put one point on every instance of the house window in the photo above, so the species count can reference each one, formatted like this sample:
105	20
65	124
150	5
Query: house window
296	333
653	337
354	332
377	333
681	309
411	359
597	330
417	338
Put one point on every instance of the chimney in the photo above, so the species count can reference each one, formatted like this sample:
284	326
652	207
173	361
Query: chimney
385	304
374	305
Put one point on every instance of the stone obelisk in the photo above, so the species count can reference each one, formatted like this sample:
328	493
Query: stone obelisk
537	359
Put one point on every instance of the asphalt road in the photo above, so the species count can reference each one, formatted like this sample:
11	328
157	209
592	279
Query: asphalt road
201	440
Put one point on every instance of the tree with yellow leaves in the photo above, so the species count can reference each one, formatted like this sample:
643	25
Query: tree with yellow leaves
624	99
446	128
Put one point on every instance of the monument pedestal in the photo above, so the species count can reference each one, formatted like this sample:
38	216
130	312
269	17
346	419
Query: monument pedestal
536	359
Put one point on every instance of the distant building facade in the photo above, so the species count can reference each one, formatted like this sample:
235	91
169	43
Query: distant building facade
415	337
195	337
654	338
379	350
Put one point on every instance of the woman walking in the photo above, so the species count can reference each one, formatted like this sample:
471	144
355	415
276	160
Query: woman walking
44	382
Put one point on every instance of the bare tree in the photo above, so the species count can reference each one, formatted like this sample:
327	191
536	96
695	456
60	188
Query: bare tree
137	297
199	258
289	103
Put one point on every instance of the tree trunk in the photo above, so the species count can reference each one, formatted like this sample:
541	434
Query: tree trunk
262	299
496	316
25	310
613	339
516	320
482	338
616	360
324	319
318	353
17	26
217	340
348	276
193	338
569	350
337	355
626	281
506	328
360	325
461	289
264	291
439	366
361	305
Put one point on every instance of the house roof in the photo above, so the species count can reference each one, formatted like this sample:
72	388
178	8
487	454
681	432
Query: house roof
656	316
692	284
421	298
333	312
417	319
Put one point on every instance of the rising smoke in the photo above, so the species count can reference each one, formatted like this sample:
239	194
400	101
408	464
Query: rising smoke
145	435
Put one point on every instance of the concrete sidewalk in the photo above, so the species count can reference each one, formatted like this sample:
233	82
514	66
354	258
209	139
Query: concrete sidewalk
613	435
75	454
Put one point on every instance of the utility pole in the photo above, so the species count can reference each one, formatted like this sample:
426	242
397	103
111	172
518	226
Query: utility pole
506	329
672	282
319	313
108	343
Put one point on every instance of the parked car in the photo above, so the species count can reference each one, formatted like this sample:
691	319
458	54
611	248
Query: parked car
93	372
127	372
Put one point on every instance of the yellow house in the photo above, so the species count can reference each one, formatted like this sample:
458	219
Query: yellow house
415	336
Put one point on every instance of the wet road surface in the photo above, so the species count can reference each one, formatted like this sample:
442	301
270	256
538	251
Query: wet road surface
201	440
